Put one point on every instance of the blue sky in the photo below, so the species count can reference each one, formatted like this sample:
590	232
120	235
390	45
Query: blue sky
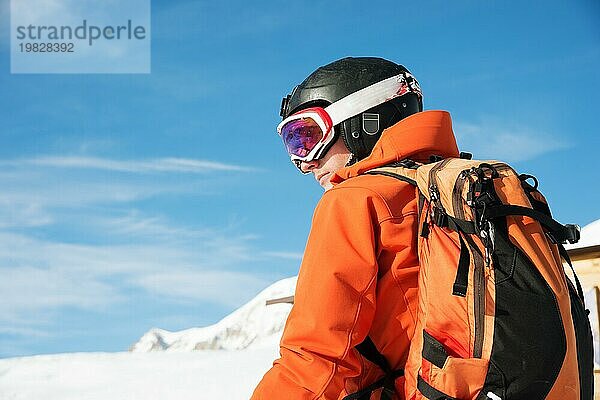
166	199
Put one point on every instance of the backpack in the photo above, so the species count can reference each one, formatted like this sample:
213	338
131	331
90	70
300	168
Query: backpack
497	316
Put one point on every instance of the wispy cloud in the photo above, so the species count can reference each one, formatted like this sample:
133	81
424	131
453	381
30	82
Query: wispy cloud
27	289
505	141
140	225
115	249
283	255
23	214
30	200
33	188
157	165
44	275
207	286
108	250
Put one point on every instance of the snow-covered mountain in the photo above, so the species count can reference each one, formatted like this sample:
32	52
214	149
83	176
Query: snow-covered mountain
254	324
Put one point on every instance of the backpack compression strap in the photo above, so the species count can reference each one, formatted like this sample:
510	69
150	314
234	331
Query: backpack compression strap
559	232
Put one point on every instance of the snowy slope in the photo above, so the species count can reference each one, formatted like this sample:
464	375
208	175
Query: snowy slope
198	375
250	325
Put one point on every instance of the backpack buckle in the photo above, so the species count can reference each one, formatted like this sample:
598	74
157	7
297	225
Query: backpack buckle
573	233
439	217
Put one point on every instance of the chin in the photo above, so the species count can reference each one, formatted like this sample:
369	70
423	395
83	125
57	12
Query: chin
327	186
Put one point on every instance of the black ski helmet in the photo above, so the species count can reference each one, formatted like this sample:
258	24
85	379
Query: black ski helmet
340	78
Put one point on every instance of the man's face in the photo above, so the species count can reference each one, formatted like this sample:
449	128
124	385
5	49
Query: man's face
337	157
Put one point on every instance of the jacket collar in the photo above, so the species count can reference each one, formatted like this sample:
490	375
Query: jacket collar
416	137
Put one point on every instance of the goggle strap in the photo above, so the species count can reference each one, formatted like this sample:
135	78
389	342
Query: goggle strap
371	96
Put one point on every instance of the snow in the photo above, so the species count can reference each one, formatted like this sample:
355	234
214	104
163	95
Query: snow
250	325
210	374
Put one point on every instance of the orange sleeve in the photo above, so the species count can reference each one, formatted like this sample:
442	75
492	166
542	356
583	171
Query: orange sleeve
334	302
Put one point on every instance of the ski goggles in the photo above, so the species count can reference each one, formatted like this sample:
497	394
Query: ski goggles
308	133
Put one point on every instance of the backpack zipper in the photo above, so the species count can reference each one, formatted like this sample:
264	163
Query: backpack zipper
478	297
457	194
479	307
478	267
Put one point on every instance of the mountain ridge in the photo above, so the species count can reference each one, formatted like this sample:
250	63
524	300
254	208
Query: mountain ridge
253	324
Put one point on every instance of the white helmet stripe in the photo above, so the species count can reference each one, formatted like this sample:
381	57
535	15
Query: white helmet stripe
371	96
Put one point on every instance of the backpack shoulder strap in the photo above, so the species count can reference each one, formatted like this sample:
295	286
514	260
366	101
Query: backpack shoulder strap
404	170
369	351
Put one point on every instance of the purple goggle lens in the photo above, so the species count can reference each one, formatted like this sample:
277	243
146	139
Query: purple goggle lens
301	136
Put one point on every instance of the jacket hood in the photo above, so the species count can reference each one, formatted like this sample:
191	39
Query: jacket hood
417	137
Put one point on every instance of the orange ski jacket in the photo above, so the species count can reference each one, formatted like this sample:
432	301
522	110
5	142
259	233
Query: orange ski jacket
358	276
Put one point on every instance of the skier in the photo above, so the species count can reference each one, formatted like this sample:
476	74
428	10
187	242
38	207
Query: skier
356	296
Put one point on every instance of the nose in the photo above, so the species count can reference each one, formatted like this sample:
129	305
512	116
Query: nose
307	166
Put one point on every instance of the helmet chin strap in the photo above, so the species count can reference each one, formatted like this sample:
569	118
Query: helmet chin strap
351	160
